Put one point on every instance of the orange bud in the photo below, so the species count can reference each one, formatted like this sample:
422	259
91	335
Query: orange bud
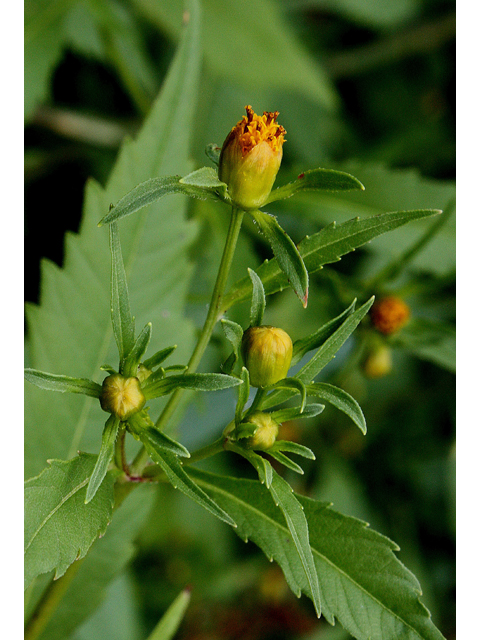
389	315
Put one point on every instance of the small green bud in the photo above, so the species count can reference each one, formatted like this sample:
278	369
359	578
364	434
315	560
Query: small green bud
378	362
121	396
265	431
267	354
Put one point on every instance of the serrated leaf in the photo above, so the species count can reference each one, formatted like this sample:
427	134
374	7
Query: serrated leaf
71	330
130	367
179	479
63	384
317	180
104	457
376	598
257	308
171	619
193	381
341	400
325	247
59	526
286	253
122	319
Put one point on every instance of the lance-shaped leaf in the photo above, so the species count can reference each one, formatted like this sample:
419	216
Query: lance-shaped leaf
243	394
177	476
375	599
293	447
207	178
257	308
104	457
193	381
295	384
171	619
152	190
341	400
317	180
325	247
54	382
159	357
234	334
285	460
130	366
122	319
157	439
295	413
259	463
314	340
59	526
288	257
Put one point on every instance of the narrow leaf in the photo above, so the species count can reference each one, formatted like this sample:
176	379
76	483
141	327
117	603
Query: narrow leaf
283	459
376	599
171	619
213	152
294	447
243	393
130	366
234	334
315	180
295	384
104	457
53	382
177	476
325	247
257	308
53	501
122	320
261	464
206	178
295	413
287	255
194	381
157	439
341	400
159	357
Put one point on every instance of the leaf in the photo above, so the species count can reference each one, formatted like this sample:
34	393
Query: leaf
324	247
71	329
171	619
158	439
122	319
206	178
106	559
212	151
295	413
179	479
152	190
243	394
362	583
317	180
430	340
295	384
234	333
304	345
194	381
294	447
159	357
130	368
341	400
59	526
286	253
283	459
257	308
104	457
53	382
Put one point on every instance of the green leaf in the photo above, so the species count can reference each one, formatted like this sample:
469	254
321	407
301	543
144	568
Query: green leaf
157	439
171	619
257	308
243	393
206	178
194	381
294	447
179	479
212	151
159	357
71	329
311	342
324	247
376	598
130	367
234	333
55	500
341	400
295	413
295	384
285	460
53	382
430	340
122	319
261	464
286	253
317	180
104	457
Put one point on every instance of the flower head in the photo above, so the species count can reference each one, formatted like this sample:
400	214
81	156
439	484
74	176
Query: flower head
121	396
267	354
251	157
265	431
389	314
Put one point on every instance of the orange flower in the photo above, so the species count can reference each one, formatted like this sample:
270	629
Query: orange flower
250	158
389	315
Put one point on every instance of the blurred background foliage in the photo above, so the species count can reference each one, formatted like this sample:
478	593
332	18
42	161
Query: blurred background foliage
362	85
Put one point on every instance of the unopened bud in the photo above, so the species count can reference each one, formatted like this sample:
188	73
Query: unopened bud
389	314
378	362
121	396
250	158
265	434
267	354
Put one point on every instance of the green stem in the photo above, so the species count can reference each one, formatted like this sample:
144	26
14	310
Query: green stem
257	401
120	458
213	315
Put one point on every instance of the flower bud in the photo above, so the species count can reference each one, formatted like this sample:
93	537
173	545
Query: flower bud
389	315
121	396
267	354
378	362
251	157
265	434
